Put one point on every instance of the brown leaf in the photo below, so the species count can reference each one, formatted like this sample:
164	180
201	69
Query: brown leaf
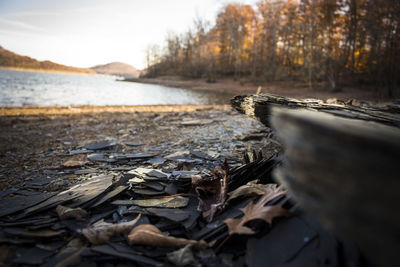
211	192
68	213
101	232
252	188
257	211
149	235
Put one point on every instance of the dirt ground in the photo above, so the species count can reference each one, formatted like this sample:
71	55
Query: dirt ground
34	140
288	89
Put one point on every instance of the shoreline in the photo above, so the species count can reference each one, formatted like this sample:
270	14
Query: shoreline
59	110
46	71
297	90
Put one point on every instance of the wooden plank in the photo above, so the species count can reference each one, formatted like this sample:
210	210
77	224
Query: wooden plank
259	107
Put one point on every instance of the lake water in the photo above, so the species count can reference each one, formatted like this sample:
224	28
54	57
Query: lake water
20	88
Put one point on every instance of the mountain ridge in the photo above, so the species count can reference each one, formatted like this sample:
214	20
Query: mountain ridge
11	60
118	69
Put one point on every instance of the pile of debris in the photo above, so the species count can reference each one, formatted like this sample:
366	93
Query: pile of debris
165	208
159	217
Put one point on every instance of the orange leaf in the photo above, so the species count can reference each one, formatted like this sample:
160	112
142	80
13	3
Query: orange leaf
149	235
257	211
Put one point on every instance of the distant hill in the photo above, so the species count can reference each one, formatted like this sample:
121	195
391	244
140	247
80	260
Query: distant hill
11	60
117	68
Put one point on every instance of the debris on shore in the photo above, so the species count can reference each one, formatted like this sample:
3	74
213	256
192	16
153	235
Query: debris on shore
154	189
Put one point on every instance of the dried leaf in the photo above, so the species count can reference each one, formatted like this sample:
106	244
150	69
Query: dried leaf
100	232
252	188
211	192
149	235
257	211
68	213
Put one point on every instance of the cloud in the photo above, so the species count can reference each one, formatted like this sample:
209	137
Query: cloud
19	25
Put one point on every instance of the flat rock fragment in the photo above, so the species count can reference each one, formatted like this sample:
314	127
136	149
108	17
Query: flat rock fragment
31	256
100	144
156	161
164	202
280	245
144	172
175	215
18	203
79	194
109	195
125	253
19	232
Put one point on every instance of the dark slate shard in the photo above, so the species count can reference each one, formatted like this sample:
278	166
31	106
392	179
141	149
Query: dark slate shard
51	172
147	192
8	192
85	171
99	157
20	232
138	155
175	215
79	194
80	151
199	154
121	169
109	195
156	161
133	144
136	210
194	214
31	255
281	244
327	249
29	221
51	246
101	144
121	251
171	189
97	217
18	203
16	241
59	259
182	157
184	174
153	185
37	183
23	192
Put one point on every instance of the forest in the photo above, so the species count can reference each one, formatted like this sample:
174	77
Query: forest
326	43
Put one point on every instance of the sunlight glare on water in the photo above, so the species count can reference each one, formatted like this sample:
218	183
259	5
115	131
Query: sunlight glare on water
20	88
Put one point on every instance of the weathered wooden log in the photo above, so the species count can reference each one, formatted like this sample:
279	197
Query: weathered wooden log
343	167
347	172
259	107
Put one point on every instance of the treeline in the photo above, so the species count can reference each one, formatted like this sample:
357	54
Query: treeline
329	42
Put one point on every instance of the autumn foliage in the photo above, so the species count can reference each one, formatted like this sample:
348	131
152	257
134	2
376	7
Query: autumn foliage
333	43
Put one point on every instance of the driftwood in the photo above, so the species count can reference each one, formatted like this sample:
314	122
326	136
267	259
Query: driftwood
343	167
259	107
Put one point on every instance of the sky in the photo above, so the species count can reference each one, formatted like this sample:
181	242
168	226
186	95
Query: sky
84	33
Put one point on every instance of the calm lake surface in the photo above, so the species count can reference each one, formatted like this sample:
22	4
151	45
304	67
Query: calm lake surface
20	88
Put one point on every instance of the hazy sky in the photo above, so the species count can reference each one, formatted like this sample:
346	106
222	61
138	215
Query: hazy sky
85	33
